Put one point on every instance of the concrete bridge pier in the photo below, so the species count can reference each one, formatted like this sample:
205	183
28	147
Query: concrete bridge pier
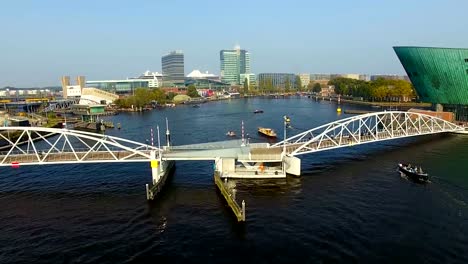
292	165
160	170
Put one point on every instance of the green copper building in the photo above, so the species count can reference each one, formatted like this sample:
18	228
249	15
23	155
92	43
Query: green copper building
439	75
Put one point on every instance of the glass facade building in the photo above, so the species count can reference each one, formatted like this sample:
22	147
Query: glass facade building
173	67
439	76
278	79
204	83
233	64
119	86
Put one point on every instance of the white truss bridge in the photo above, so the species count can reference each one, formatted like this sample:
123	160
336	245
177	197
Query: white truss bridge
37	145
366	128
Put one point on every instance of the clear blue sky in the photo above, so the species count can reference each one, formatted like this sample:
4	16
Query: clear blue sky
43	40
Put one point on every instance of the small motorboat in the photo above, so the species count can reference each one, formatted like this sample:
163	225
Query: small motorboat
258	111
231	134
267	132
196	106
413	172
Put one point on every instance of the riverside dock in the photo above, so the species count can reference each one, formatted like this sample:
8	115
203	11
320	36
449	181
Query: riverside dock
229	194
357	112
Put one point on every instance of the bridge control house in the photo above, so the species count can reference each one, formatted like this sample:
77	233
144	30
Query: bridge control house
88	113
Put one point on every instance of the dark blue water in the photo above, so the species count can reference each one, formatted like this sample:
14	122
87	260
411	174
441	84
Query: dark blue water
350	205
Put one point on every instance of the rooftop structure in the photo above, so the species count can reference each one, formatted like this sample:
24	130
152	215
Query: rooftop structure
74	89
196	74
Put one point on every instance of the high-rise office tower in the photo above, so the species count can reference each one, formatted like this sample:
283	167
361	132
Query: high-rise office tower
234	63
173	67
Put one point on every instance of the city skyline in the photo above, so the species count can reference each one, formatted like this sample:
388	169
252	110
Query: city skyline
101	41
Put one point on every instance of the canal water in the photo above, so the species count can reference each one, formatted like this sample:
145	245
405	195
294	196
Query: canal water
350	204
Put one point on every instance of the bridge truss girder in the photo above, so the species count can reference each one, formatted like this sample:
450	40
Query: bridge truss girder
39	145
366	128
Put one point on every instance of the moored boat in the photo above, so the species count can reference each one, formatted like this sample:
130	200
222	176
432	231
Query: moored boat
267	132
414	173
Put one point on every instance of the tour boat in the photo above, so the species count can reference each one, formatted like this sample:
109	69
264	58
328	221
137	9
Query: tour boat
413	173
267	132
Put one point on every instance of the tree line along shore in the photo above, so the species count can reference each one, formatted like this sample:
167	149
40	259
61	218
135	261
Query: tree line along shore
378	92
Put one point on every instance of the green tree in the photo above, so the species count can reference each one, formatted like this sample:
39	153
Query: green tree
287	85
261	85
159	96
298	83
246	86
142	97
269	85
316	88
380	92
170	96
310	86
192	91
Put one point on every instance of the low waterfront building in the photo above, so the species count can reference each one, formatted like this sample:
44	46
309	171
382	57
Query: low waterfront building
22	107
327	91
201	83
305	79
320	76
19	121
155	79
353	76
388	77
250	77
88	113
323	83
91	96
119	86
364	77
128	86
278	80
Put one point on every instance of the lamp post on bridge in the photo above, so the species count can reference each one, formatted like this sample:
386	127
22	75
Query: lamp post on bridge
284	140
